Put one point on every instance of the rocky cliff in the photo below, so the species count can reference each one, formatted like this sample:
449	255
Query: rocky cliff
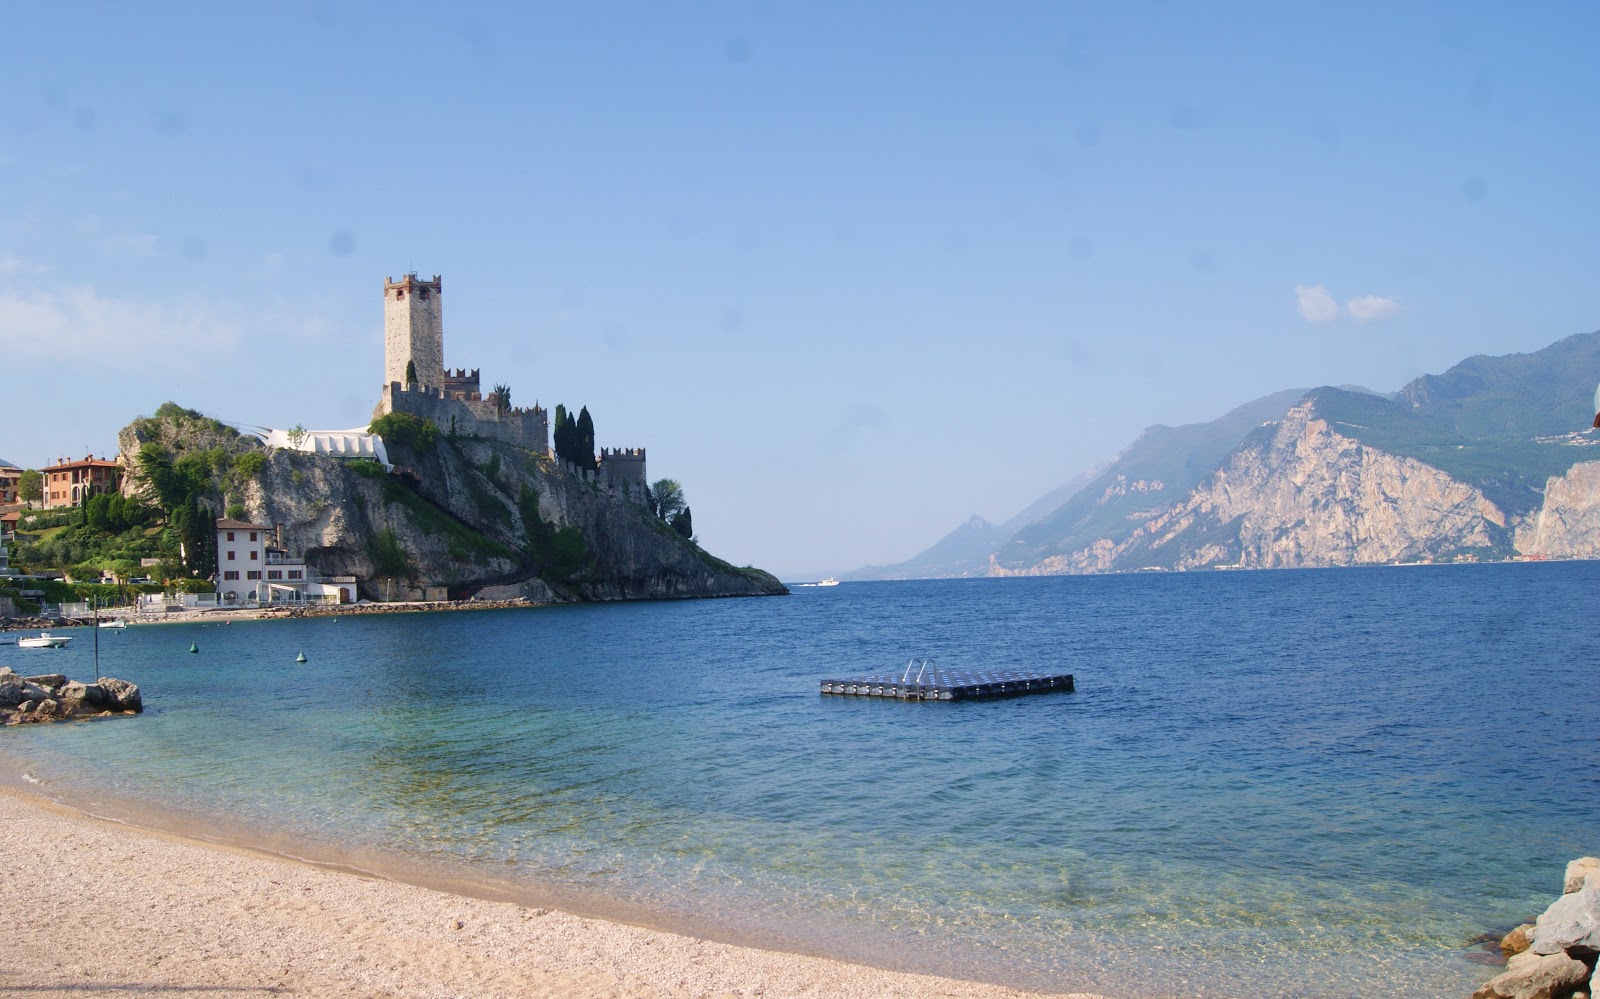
1302	494
476	517
1492	459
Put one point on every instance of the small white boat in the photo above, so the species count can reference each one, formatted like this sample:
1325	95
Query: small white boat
118	624
44	641
830	581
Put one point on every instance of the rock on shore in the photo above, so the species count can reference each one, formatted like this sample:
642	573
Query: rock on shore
52	697
1555	957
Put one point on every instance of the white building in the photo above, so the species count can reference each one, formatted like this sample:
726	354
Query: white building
253	569
356	443
241	559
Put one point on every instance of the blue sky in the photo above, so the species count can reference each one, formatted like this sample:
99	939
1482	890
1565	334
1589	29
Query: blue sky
851	272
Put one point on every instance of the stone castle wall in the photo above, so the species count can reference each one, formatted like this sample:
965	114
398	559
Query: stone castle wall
622	470
471	415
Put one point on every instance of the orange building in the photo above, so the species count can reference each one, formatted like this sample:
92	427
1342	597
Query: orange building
68	483
10	476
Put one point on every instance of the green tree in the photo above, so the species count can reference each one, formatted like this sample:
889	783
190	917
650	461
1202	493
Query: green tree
406	430
388	556
97	514
669	501
502	399
584	439
411	372
30	486
296	434
683	523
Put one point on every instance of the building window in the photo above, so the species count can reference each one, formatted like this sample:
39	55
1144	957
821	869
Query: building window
232	574
230	554
274	573
253	574
399	293
230	535
424	294
296	574
254	554
252	535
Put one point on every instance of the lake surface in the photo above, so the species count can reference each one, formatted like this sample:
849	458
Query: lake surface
1313	783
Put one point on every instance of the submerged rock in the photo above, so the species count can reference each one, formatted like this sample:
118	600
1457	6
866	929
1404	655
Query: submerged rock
1517	940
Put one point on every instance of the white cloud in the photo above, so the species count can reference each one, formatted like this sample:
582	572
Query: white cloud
1371	308
1317	303
1318	306
76	327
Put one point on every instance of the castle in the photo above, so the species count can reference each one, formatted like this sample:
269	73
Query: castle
416	381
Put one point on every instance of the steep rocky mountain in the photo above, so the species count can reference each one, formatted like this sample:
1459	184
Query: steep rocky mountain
477	517
1490	459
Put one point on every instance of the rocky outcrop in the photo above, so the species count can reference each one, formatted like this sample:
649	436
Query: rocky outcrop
460	517
52	697
1567	524
467	516
1301	494
1561	946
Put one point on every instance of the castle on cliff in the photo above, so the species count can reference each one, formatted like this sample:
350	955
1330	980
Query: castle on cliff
416	381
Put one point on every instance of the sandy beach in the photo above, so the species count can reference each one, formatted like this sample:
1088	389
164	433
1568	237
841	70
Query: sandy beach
93	907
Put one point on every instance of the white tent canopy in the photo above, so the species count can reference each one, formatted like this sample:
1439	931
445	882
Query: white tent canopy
357	443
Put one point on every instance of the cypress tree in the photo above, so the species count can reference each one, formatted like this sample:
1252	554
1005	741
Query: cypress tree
683	523
584	444
411	372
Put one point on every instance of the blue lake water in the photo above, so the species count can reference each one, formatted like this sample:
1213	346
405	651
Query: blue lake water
1315	783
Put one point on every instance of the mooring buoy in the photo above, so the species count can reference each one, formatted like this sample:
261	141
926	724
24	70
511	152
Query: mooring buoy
193	647
300	658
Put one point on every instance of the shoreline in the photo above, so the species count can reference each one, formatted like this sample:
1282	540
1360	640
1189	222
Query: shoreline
271	613
149	912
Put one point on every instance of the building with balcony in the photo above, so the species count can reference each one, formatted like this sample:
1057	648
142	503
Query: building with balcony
255	570
68	483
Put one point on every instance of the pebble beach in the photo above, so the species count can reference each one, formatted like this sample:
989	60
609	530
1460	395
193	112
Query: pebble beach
101	908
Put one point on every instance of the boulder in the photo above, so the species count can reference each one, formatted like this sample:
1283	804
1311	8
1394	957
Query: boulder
1572	924
1517	940
50	680
1577	870
1553	976
48	708
11	692
122	694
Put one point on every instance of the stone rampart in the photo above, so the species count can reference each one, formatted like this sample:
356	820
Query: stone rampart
622	470
472	416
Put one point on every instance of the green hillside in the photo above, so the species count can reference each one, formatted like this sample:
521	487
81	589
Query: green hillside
1502	424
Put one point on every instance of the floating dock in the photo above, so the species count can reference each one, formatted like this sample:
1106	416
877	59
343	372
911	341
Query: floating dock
925	681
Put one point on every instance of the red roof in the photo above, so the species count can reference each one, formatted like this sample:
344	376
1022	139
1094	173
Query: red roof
225	524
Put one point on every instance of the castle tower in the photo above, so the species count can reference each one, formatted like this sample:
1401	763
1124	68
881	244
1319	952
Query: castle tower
413	329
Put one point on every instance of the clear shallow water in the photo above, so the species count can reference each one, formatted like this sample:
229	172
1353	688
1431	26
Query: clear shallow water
1318	783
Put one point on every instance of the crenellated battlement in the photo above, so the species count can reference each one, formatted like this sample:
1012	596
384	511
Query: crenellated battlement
622	469
409	283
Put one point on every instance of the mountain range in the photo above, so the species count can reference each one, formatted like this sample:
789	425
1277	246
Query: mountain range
1492	459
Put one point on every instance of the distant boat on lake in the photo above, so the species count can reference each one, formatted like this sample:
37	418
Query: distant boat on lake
830	581
45	641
